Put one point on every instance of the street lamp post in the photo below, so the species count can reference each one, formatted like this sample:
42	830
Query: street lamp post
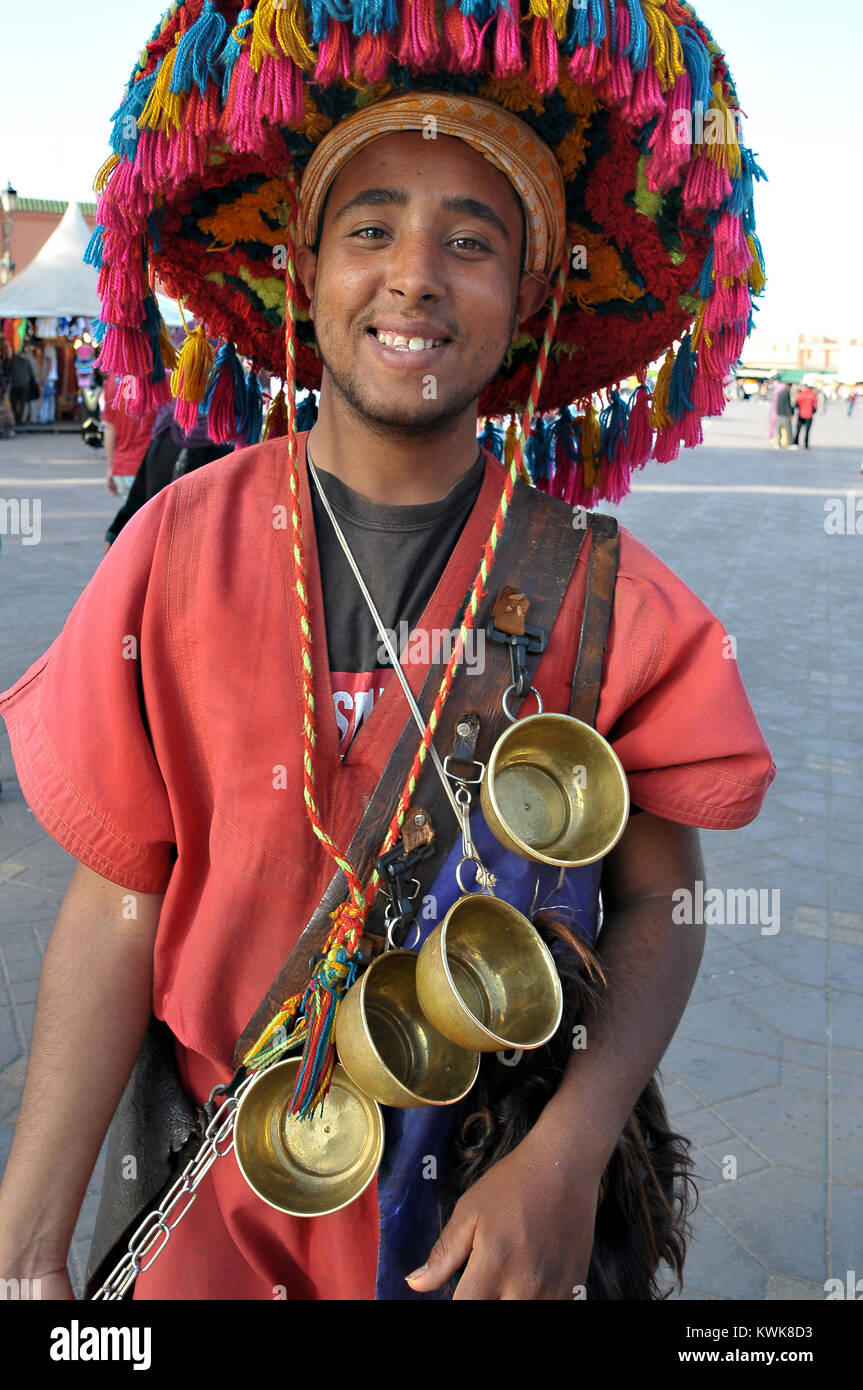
9	201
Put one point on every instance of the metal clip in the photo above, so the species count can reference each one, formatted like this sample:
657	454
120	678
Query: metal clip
533	641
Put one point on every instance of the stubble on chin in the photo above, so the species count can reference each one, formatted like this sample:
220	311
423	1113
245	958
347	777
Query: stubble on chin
424	417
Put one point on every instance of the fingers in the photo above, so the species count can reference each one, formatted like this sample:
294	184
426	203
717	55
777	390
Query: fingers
447	1255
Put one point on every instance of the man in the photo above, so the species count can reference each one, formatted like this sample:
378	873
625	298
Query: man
784	413
806	406
126	442
423	262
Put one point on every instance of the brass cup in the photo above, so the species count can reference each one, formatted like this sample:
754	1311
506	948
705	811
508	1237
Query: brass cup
487	980
307	1167
390	1049
554	790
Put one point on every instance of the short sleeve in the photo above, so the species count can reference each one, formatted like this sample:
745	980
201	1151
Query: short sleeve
673	704
78	727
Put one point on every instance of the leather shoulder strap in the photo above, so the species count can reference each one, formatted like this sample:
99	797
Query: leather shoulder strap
598	605
538	540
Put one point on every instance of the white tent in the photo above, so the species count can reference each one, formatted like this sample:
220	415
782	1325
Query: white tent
57	283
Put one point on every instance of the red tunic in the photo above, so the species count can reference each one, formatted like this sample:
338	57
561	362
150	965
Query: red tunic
195	605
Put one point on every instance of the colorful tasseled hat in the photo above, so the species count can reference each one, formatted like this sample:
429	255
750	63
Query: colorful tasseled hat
633	99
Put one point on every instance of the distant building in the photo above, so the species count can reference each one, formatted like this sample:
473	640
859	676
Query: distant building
795	357
34	222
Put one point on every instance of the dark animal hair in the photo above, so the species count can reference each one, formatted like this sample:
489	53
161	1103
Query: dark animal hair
647	1194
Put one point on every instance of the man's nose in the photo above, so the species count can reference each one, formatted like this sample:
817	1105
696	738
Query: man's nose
415	266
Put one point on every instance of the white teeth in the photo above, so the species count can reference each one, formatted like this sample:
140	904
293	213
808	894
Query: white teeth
397	340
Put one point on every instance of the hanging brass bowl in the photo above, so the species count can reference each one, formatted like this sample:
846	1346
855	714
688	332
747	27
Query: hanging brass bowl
554	790
390	1049
307	1167
487	980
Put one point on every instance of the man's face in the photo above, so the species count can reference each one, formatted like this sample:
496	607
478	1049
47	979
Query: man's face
421	240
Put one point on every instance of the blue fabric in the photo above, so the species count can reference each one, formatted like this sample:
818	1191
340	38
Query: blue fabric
417	1141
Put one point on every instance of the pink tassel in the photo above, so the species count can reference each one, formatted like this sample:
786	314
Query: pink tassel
707	184
141	398
125	351
507	42
280	90
639	435
692	431
647	99
372	56
186	414
420	43
334	54
543	67
152	159
667	446
733	253
124	200
583	62
670	143
463	38
240	119
617	87
728	305
615	479
708	394
222	412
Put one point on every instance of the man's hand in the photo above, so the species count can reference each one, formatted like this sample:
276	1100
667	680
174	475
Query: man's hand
111	484
525	1229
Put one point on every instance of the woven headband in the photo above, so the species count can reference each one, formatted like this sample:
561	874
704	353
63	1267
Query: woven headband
504	140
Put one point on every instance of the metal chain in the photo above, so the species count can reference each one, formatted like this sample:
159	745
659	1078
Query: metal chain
155	1229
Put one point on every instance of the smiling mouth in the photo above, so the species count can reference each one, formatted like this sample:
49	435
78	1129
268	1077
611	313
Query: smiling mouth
404	344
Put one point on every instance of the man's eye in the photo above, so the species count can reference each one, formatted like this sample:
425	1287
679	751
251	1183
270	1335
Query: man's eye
472	242
360	230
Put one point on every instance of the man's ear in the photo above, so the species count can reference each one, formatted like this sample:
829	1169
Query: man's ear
532	293
307	269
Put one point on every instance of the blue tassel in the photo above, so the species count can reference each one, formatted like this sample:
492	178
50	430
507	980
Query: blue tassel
198	51
375	16
95	247
480	10
250	426
704	284
232	50
697	61
97	331
124	133
637	48
680	385
614	422
597	20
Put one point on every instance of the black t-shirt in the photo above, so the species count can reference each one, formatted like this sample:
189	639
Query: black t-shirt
401	552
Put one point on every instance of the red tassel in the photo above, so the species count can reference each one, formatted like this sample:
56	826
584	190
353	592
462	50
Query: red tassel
543	64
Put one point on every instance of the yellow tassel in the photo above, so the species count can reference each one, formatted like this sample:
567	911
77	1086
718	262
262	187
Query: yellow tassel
100	182
291	33
757	278
665	44
189	377
698	326
724	151
555	10
659	416
262	44
163	108
590	445
167	349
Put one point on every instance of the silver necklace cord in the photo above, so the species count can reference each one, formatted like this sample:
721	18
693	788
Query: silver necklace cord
385	638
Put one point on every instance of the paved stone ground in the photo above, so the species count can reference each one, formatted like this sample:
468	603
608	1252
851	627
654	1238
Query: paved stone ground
767	1065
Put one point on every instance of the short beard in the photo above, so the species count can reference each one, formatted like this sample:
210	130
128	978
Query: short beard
410	423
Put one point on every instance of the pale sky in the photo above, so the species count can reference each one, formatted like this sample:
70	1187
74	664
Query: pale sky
796	64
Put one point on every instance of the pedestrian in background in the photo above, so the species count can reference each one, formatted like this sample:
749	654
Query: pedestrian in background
807	405
126	441
784	414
